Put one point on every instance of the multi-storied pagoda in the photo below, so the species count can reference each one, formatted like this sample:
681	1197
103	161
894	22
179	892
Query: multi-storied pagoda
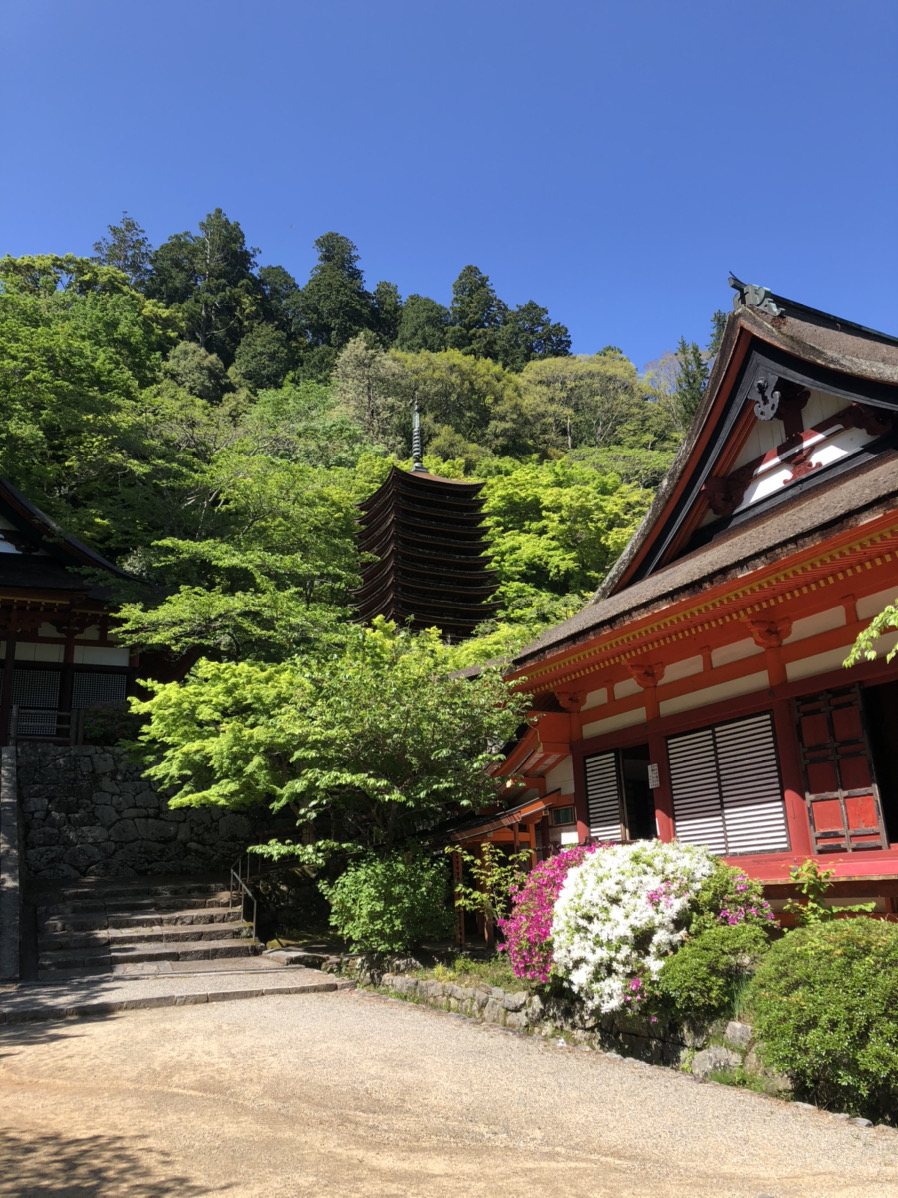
428	538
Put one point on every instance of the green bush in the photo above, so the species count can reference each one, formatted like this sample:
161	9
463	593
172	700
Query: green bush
388	904
729	896
824	1003
704	977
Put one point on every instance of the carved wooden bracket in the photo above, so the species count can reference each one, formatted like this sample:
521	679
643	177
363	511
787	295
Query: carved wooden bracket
571	700
801	464
874	421
725	494
646	674
793	398
770	634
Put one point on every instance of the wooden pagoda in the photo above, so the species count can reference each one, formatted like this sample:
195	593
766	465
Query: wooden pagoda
427	536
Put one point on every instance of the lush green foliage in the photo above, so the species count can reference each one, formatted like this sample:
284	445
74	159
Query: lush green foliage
864	648
813	883
493	872
824	1003
367	745
701	980
729	896
390	903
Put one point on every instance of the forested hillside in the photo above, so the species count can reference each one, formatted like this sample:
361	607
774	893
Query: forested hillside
210	424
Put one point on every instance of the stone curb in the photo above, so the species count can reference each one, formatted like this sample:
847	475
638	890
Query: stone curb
87	1010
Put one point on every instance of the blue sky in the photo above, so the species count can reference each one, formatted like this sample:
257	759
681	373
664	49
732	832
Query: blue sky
612	161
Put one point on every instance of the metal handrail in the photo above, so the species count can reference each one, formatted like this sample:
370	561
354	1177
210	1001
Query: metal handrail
238	884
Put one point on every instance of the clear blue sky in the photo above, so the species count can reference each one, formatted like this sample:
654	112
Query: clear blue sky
612	161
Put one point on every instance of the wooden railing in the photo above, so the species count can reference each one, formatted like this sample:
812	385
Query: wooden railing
44	723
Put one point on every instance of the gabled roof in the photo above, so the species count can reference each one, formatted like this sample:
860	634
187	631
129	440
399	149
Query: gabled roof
35	554
681	545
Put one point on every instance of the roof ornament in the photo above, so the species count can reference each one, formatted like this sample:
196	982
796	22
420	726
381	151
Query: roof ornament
767	406
751	296
417	444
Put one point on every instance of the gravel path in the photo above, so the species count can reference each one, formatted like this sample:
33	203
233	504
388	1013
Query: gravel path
355	1094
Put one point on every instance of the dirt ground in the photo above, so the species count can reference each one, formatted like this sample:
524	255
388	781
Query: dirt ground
353	1094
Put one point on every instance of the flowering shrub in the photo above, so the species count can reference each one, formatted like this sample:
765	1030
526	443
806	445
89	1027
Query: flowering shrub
528	927
729	896
620	914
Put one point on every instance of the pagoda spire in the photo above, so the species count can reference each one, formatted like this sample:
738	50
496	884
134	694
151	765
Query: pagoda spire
417	442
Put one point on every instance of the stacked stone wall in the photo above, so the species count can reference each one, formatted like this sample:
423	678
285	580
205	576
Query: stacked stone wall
88	811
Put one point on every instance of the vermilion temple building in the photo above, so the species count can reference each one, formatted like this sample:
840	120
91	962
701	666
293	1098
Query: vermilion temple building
701	694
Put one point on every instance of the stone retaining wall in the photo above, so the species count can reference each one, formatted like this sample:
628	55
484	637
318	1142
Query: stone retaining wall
89	811
724	1048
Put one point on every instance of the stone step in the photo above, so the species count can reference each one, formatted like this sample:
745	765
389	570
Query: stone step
94	920
104	958
60	941
140	888
136	905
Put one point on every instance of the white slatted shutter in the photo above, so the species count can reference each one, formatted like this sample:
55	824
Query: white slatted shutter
603	797
726	787
698	813
753	809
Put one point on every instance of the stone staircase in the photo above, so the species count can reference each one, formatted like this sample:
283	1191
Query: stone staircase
141	928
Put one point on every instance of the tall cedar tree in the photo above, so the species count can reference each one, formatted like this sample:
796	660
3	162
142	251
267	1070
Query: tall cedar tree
209	277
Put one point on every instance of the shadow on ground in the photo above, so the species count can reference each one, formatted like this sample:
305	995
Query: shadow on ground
89	1167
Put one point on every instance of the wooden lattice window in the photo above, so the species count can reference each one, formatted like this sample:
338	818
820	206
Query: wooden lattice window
842	797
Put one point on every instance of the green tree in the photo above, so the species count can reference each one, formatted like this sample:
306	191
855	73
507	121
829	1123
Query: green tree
387	314
585	401
128	249
334	305
200	373
865	647
476	315
528	335
77	348
209	277
263	358
692	377
557	527
366	388
370	746
281	301
423	326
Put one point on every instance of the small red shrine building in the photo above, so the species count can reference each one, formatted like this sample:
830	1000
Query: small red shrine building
701	694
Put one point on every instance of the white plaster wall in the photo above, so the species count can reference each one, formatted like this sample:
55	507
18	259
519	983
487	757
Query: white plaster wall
561	777
613	723
97	655
715	694
736	651
26	652
823	621
682	669
629	686
872	605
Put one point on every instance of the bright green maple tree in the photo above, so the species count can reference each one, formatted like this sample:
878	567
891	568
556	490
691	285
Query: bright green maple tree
366	746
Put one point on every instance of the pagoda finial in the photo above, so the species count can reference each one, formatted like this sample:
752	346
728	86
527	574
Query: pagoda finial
417	446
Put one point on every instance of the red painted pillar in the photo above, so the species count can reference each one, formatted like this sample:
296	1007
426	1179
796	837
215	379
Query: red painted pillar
792	778
664	816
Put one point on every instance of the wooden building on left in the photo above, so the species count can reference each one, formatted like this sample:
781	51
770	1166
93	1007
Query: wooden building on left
57	649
